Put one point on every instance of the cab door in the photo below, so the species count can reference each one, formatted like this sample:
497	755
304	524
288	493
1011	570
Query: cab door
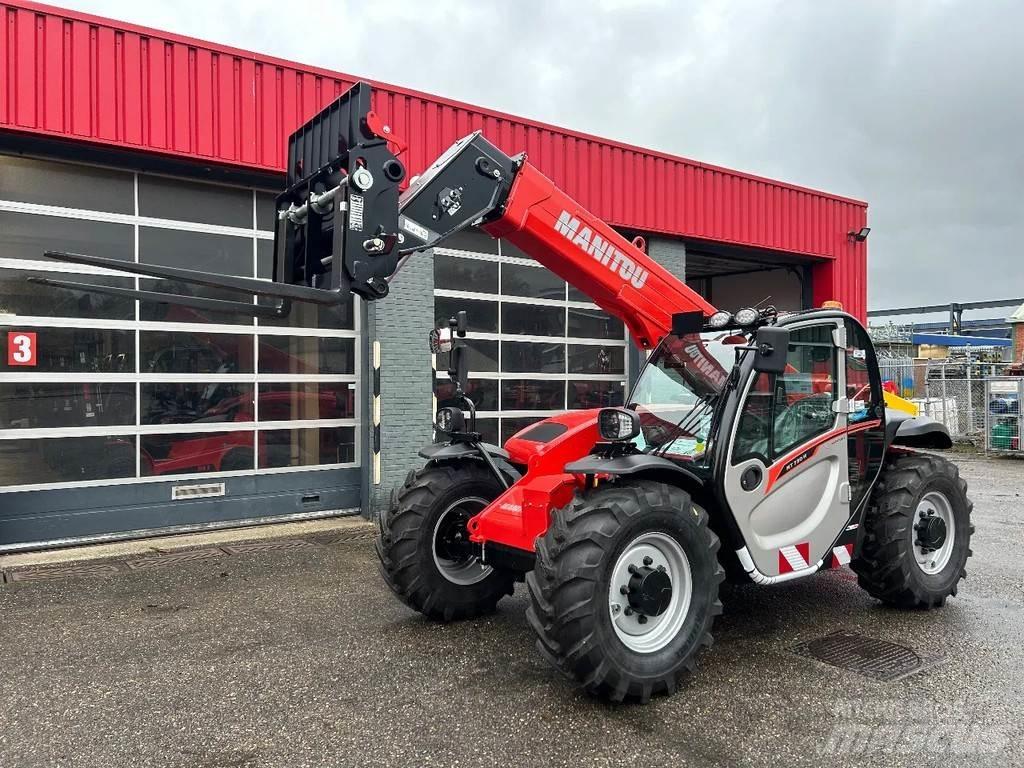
787	479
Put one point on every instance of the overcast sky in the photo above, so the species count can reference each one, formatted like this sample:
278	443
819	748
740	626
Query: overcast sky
915	107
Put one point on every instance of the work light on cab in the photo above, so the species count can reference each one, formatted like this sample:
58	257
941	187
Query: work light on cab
720	319
617	424
747	316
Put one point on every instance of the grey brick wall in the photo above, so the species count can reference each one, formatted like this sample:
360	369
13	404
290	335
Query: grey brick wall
671	254
401	323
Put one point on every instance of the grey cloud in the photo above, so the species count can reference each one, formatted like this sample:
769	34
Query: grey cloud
913	106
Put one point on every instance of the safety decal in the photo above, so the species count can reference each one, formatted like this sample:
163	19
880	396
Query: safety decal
841	555
795	557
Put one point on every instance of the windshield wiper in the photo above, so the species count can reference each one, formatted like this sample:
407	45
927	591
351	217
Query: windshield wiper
704	402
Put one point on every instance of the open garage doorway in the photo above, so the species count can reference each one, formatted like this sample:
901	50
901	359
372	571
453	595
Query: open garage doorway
733	278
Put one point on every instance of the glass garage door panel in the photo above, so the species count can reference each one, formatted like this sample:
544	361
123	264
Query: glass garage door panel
215	402
34	461
122	402
325	400
27	180
194	453
308	446
537	347
166	198
483	393
26	236
482	315
195	352
20	297
51	405
68	351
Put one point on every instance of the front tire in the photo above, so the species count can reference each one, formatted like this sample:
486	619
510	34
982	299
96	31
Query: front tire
422	543
641	548
917	533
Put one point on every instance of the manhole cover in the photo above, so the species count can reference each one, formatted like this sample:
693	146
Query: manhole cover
877	659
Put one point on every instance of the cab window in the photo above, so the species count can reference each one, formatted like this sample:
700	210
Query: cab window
783	411
863	384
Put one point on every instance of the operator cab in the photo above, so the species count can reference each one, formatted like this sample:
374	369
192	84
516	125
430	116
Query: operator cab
678	391
778	421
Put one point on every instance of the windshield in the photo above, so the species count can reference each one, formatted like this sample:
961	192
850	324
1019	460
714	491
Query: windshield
676	393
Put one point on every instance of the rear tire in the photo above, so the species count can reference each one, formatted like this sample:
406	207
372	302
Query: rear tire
891	564
441	580
575	589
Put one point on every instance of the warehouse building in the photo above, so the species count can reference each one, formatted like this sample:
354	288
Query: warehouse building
118	419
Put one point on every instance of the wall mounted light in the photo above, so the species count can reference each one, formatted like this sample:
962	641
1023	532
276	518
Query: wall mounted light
858	236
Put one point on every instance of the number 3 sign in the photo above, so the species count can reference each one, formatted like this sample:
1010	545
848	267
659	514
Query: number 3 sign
21	348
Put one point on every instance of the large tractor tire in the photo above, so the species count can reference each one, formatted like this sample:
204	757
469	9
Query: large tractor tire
625	589
917	533
425	554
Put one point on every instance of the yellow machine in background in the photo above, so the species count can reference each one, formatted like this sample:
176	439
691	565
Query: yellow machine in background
900	403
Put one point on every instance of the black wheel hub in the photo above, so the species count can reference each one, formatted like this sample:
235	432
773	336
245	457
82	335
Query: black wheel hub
649	590
931	532
452	542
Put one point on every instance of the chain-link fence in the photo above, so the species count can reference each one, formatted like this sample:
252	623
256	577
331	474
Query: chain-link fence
950	391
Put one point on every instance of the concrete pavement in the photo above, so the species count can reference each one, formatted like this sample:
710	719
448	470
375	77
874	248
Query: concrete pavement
297	655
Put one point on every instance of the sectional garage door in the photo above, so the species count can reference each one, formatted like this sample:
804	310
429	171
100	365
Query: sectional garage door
119	417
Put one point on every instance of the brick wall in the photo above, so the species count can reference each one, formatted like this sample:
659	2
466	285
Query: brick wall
671	254
1018	342
401	323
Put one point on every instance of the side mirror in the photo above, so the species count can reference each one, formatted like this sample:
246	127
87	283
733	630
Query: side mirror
771	347
458	359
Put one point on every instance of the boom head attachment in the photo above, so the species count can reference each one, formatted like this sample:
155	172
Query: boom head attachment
469	183
337	225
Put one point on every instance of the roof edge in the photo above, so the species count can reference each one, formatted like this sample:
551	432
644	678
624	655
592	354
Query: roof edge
45	8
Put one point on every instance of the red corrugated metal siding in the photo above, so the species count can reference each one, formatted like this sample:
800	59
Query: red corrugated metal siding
71	75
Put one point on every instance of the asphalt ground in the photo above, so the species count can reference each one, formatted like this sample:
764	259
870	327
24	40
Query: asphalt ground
298	655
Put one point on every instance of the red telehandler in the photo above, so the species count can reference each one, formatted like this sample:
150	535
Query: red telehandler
755	446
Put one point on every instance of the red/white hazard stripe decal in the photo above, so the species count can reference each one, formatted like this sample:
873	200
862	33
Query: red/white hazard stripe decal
795	557
841	555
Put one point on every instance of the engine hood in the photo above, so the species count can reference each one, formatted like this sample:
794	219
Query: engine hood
540	438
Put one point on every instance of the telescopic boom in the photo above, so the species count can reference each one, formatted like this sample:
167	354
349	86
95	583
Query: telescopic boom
343	227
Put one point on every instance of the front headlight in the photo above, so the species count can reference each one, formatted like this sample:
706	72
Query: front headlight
618	424
449	420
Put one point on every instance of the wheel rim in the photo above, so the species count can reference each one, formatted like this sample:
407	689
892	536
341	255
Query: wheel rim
460	568
933	533
649	554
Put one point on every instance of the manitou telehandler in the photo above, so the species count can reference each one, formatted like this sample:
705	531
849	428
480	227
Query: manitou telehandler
755	446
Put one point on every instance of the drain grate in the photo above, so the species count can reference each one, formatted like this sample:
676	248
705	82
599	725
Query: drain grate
53	573
266	546
877	659
367	534
172	558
